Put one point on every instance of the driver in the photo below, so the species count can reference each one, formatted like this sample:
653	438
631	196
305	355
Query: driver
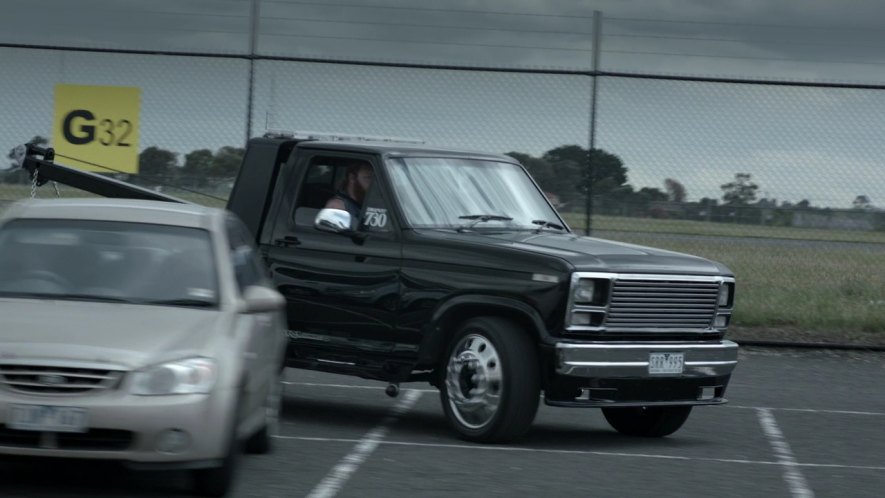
352	189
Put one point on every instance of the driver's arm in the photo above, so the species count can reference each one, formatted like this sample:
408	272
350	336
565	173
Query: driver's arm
335	203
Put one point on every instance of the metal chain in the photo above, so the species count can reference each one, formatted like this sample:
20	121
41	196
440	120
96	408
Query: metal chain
34	185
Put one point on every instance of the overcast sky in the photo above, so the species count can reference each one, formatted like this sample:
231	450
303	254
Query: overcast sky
820	144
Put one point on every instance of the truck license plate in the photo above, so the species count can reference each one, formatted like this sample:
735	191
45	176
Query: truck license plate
665	363
46	418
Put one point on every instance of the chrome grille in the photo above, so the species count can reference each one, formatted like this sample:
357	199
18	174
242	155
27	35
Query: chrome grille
57	380
662	304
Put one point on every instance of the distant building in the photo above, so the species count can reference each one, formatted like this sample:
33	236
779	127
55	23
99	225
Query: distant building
835	220
554	199
667	209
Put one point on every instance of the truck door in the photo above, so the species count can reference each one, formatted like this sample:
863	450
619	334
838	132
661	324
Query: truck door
342	291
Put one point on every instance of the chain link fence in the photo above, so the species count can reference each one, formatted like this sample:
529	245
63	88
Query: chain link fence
781	181
807	157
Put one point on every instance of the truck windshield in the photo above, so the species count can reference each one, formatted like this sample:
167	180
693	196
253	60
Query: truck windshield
468	193
107	261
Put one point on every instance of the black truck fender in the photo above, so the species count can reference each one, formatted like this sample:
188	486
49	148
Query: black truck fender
453	311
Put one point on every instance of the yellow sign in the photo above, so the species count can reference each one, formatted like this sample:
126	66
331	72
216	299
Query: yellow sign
97	126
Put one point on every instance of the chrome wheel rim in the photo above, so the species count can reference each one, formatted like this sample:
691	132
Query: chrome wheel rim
474	381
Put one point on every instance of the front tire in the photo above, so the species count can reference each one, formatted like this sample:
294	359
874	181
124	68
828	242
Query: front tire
647	421
261	443
490	381
217	481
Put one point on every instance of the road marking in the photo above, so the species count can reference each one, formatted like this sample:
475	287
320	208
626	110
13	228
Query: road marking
580	452
809	410
806	410
348	386
795	480
339	475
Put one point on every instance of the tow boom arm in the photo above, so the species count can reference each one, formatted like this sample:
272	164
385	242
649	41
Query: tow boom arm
44	169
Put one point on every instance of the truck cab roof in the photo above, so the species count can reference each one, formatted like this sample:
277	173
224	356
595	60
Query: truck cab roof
399	149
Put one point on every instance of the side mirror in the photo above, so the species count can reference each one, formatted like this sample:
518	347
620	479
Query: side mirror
258	299
333	220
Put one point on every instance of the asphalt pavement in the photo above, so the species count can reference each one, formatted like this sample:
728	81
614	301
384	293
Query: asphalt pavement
800	423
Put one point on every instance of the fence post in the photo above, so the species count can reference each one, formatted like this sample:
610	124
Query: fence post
253	43
597	37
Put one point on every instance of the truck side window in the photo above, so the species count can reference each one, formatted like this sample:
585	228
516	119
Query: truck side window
330	178
318	186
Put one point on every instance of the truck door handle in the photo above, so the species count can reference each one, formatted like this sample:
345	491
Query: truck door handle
287	241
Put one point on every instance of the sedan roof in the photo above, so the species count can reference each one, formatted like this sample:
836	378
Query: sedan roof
125	210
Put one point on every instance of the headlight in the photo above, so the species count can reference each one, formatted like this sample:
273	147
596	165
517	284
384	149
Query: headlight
724	295
585	291
190	376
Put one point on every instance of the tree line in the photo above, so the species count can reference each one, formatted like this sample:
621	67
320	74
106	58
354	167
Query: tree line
199	168
566	174
569	172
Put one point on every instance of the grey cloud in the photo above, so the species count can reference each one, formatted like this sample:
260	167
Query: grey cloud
756	38
789	138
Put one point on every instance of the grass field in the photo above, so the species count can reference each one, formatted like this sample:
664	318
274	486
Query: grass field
808	288
688	227
17	192
785	286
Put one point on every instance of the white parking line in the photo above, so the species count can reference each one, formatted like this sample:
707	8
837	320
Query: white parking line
348	386
580	452
806	410
795	480
338	476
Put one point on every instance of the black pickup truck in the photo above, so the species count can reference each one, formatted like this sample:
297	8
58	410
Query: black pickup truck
457	271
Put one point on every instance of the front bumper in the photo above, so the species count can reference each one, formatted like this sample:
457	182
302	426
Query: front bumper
631	360
127	428
618	374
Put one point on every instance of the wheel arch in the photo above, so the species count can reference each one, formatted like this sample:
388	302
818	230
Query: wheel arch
458	310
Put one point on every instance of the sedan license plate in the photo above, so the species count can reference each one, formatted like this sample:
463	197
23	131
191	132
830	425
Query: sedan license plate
665	363
46	418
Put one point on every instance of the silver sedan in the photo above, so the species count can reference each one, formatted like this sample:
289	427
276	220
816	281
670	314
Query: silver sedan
138	331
